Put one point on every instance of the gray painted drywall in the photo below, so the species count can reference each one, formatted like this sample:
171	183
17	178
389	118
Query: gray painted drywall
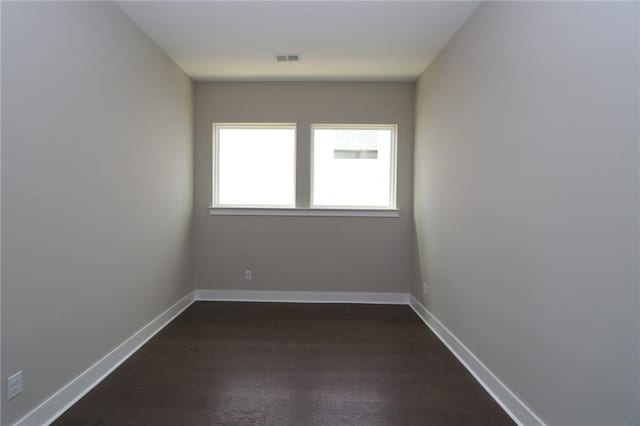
96	189
526	202
303	253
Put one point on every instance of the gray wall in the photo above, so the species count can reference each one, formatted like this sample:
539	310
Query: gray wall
96	189
526	202
303	253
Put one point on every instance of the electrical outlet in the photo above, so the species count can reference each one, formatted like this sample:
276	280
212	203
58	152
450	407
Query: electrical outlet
425	287
248	274
14	385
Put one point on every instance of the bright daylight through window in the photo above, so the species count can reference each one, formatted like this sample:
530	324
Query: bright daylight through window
352	169
254	165
353	166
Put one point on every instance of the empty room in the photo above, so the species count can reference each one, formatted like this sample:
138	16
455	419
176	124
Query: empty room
314	213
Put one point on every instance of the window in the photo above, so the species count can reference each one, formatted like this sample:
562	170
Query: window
254	165
351	170
353	166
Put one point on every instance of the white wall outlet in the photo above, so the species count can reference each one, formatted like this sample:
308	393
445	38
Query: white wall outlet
14	385
248	274
425	287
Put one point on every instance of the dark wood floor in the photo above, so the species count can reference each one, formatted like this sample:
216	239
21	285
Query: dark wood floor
226	363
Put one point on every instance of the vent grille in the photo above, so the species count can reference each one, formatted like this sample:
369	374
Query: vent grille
288	58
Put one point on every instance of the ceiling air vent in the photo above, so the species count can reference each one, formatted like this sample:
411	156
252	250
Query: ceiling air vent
287	58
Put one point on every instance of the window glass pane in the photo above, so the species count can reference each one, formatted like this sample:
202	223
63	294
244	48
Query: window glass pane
256	166
353	167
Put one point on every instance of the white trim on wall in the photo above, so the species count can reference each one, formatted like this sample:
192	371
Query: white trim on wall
302	296
509	402
314	212
53	407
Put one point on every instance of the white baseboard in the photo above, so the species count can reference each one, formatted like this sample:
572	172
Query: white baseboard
302	296
59	402
509	402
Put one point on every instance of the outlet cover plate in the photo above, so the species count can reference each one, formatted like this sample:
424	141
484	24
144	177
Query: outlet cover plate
14	385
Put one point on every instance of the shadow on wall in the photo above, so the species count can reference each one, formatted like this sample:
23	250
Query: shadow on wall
419	287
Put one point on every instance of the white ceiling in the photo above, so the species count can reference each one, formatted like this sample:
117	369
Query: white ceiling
347	40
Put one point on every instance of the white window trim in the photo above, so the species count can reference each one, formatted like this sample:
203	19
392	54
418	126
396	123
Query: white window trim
315	212
215	183
393	202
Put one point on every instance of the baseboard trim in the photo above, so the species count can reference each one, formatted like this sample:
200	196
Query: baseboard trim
63	399
54	406
509	402
302	297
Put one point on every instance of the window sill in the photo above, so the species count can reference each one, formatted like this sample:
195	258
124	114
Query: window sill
258	211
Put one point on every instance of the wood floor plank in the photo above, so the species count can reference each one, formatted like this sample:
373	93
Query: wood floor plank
236	363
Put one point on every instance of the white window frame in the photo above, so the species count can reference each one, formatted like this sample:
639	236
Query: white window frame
392	170
215	187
